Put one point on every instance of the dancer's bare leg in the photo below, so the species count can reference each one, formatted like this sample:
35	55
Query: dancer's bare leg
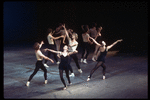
58	43
95	53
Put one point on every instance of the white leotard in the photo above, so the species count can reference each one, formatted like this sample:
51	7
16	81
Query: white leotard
72	48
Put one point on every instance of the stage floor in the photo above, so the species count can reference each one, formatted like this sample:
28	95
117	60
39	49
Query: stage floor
126	77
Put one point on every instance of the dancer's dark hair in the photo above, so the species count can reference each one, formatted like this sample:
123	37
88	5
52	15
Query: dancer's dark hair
85	28
49	30
36	46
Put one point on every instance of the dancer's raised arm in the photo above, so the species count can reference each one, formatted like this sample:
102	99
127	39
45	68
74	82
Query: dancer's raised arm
95	41
41	44
110	46
55	38
66	32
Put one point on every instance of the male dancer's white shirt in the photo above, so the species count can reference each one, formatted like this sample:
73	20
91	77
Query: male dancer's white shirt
50	39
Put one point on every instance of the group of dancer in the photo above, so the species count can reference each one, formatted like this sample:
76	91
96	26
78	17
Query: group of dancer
69	41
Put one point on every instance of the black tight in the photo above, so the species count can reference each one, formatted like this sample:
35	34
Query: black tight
86	48
39	65
97	66
61	76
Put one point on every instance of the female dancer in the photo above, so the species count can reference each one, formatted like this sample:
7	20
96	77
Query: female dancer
51	45
72	47
86	43
64	64
101	58
39	63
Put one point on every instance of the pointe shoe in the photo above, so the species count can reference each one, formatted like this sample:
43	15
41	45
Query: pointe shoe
88	78
45	81
80	70
46	65
27	84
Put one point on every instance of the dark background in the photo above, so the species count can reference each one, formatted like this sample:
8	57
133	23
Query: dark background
24	23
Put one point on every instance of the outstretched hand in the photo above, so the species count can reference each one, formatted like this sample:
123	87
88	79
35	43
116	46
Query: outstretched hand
120	40
44	50
63	26
75	51
42	42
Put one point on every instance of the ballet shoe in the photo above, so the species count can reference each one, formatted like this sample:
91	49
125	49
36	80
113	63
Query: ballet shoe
72	75
65	88
103	77
81	60
58	63
28	83
88	78
45	81
46	65
70	83
80	70
84	61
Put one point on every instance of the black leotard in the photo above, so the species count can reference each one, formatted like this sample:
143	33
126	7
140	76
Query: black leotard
64	64
102	56
99	38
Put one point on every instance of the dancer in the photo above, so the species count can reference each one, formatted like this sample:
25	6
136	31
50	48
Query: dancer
98	39
101	58
51	45
92	31
39	63
64	64
56	34
86	43
72	47
64	40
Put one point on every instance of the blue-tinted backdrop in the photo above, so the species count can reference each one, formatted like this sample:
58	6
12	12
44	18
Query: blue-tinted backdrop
20	21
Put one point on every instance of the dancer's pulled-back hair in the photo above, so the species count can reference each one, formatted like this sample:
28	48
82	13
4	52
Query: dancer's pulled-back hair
36	46
49	30
85	28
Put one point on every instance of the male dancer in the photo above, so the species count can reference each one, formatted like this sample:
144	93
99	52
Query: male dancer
51	45
86	43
